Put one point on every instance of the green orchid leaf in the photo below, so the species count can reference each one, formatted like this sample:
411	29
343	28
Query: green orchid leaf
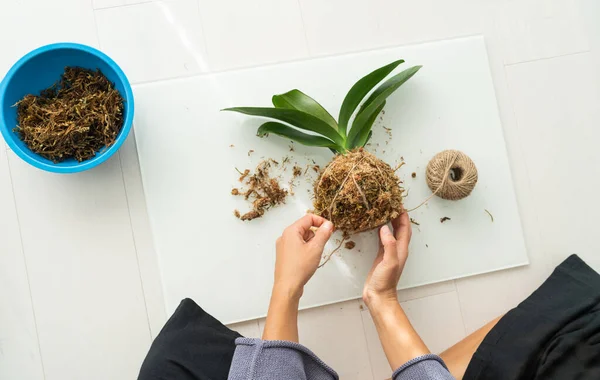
360	90
362	140
361	127
407	74
294	134
296	118
297	100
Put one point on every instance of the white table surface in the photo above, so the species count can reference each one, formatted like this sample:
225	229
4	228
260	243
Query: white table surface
76	304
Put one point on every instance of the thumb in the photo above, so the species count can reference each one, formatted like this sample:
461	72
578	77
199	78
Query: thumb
322	235
389	243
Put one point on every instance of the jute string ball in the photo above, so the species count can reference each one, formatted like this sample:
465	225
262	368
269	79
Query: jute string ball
451	175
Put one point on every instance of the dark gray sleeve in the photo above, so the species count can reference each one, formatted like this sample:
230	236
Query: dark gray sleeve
426	367
256	359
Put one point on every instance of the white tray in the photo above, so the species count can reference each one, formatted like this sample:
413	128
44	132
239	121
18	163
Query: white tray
226	265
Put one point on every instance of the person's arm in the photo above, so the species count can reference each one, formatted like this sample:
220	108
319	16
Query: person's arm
279	355
282	317
399	339
457	357
403	347
299	251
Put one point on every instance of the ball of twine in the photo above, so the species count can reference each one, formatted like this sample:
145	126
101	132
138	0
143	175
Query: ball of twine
451	175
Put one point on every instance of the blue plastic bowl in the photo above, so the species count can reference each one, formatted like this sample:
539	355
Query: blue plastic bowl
39	70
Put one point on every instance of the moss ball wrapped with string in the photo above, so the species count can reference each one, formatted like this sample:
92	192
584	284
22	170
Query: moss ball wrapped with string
356	191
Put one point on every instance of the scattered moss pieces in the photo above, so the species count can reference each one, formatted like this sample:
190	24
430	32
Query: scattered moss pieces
262	190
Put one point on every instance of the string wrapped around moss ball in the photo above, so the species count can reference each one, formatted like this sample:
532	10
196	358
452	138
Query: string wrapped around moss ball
358	192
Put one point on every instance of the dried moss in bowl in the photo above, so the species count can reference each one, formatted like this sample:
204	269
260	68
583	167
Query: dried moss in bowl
75	118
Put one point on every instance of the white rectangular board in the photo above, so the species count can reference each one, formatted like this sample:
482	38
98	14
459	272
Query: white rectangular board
189	151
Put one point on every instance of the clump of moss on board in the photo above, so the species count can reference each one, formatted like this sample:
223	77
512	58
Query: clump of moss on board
262	190
357	191
75	118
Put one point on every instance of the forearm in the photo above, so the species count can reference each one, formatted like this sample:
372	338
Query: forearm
282	317
399	339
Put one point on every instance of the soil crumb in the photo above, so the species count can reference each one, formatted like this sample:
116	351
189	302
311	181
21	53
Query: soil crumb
414	175
388	131
261	189
297	171
244	174
443	219
350	245
236	213
75	118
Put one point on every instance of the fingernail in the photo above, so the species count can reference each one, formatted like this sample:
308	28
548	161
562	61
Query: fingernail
328	226
386	230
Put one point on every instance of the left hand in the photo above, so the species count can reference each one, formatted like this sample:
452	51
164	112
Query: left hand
299	251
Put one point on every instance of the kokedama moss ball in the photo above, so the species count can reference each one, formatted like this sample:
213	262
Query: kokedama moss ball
358	192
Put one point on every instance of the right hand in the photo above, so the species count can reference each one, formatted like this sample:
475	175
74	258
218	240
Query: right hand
382	281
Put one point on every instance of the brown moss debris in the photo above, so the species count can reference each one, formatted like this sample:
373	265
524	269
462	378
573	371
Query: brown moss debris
358	192
262	190
75	118
350	245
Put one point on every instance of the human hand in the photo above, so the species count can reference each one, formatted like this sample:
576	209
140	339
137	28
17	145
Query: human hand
380	287
299	251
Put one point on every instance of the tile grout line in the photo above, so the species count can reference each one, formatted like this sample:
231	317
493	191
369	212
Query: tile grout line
516	119
260	333
362	322
137	257
121	6
460	308
427	296
304	28
96	26
35	321
547	58
199	6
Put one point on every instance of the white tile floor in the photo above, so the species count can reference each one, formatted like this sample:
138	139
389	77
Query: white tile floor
80	287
